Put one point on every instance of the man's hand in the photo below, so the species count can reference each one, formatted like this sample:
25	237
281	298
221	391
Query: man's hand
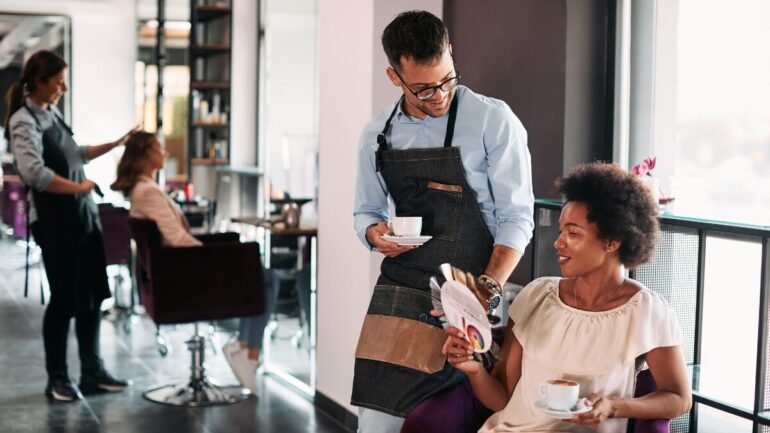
374	235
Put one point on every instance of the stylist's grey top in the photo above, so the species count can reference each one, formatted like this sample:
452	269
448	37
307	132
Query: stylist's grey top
27	144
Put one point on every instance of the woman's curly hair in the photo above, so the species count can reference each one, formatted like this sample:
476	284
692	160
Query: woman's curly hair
620	205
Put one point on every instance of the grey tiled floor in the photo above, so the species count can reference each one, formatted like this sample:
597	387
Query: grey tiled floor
133	355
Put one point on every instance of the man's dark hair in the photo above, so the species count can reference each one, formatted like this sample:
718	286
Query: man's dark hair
622	208
416	35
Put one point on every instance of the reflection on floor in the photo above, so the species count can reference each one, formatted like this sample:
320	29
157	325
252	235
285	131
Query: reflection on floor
289	347
134	355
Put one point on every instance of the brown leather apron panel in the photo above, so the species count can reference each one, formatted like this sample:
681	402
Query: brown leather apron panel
403	342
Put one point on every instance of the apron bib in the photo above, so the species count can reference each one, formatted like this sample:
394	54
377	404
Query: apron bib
398	358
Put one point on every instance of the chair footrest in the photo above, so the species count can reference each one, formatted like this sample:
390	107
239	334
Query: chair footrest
196	393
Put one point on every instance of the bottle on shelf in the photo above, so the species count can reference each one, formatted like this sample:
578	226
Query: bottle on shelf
215	108
196	105
204	111
212	146
199	69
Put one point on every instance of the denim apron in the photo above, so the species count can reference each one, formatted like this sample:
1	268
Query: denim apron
398	358
68	228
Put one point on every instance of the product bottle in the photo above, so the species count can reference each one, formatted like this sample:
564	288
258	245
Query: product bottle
216	108
196	105
204	115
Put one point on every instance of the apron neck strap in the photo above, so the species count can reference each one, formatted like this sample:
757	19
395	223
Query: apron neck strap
381	140
37	122
450	129
55	116
450	126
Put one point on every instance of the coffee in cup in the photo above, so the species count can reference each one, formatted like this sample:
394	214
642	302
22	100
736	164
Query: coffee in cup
560	394
406	226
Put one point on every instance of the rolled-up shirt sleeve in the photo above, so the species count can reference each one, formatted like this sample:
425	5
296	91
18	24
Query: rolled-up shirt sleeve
27	142
509	168
371	200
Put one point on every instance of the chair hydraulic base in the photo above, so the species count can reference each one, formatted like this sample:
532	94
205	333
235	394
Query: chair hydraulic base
198	390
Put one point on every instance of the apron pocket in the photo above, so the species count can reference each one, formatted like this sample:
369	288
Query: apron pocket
445	200
403	342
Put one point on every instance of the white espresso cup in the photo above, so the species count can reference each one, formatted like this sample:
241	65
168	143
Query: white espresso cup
406	226
560	394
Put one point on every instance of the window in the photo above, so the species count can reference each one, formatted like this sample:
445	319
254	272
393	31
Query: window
699	93
698	101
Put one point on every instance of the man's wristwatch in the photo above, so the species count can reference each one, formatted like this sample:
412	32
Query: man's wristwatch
493	288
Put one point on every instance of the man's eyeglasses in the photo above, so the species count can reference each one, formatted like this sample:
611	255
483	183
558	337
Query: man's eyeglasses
427	92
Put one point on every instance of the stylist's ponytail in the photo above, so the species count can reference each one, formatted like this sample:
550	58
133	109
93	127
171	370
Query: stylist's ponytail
13	100
40	67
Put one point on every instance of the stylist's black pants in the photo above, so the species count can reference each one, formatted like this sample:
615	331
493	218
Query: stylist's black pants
75	274
56	324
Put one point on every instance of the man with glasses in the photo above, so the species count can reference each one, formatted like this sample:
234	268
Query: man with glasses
458	160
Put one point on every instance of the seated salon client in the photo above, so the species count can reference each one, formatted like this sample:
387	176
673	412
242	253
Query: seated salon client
138	166
593	326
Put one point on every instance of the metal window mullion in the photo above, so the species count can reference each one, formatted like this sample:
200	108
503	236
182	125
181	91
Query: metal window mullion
764	286
160	58
697	337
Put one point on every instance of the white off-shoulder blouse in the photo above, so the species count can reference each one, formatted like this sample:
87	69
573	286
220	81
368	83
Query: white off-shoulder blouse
602	351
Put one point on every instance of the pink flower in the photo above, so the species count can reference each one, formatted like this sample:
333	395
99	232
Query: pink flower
641	169
650	162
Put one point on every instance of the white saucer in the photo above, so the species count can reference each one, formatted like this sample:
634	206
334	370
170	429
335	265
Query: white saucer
559	414
407	240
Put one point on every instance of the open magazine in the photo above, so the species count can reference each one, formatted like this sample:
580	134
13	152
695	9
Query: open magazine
463	311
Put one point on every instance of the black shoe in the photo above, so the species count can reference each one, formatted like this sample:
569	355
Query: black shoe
100	383
62	389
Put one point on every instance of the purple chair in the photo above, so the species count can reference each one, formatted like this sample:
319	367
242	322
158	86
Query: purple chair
117	248
221	279
14	206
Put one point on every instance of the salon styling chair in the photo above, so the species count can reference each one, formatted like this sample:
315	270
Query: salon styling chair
117	251
221	279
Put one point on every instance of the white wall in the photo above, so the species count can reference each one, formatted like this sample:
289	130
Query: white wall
343	265
243	104
353	87
102	71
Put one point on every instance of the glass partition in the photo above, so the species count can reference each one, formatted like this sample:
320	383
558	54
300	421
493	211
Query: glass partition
289	150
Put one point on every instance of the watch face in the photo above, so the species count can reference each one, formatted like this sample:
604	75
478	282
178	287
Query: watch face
494	301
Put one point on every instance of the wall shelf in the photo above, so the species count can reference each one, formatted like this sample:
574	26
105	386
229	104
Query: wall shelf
210	62
210	125
208	161
209	50
203	85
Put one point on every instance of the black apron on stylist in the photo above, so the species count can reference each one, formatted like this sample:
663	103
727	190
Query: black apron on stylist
398	358
68	228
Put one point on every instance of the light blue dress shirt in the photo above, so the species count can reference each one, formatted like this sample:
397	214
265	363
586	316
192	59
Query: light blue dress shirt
493	148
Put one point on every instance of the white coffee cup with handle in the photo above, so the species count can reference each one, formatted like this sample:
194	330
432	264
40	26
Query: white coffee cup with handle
406	226
560	394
